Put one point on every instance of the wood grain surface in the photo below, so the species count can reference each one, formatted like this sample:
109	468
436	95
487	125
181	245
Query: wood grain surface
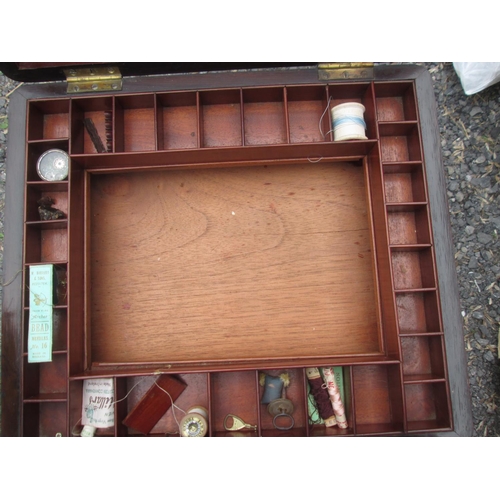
225	264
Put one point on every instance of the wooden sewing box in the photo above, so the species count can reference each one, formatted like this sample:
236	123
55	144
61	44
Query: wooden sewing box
225	234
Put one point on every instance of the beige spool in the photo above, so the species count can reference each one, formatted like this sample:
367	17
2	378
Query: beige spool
348	122
194	423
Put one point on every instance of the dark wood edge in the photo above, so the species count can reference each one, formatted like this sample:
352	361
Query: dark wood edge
12	265
445	262
47	72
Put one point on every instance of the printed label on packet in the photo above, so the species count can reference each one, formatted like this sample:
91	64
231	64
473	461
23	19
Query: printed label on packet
40	316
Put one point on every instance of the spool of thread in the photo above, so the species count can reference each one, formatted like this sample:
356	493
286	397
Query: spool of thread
334	393
321	397
348	121
194	423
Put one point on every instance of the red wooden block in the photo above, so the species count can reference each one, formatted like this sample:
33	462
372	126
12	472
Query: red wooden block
154	404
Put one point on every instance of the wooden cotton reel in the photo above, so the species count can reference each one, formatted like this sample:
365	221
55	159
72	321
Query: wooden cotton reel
194	423
278	407
348	121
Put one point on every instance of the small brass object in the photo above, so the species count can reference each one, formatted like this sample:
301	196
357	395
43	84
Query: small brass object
237	424
345	71
280	406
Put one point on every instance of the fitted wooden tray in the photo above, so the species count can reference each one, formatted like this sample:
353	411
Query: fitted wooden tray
226	264
225	234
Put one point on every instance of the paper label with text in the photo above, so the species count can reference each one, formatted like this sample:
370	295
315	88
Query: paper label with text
98	404
40	317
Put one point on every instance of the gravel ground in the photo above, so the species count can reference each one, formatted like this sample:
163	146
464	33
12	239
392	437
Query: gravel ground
470	130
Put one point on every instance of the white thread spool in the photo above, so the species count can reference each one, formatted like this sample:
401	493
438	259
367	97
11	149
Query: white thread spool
194	423
348	121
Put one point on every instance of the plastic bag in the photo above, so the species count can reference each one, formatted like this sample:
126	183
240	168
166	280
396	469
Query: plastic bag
476	76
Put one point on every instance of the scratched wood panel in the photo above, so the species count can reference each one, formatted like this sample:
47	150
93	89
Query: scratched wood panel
229	264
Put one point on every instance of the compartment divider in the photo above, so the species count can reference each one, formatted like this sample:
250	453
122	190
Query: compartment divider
305	403
211	431
257	404
156	126
348	388
159	124
370	113
242	119
199	138
120	383
118	132
382	257
287	116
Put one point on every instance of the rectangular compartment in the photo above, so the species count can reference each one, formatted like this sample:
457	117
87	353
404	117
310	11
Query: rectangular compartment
135	124
220	118
42	379
408	224
320	430
75	410
296	393
340	93
60	286
404	183
400	142
423	358
35	191
378	399
418	312
413	268
231	264
427	407
195	394
308	117
395	101
264	116
47	419
100	111
48	119
234	393
46	242
177	116
35	150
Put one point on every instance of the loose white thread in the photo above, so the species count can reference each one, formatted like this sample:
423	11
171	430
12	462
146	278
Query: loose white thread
321	119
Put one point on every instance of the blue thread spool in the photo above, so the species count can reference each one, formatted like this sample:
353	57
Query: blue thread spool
348	121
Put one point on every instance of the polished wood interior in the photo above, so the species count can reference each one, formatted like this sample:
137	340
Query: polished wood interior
246	263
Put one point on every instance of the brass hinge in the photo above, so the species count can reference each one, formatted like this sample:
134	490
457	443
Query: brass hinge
345	71
106	78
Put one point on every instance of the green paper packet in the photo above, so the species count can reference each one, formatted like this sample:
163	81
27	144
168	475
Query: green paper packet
312	408
338	371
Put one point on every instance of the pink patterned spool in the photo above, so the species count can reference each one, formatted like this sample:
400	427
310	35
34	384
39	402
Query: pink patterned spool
336	400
